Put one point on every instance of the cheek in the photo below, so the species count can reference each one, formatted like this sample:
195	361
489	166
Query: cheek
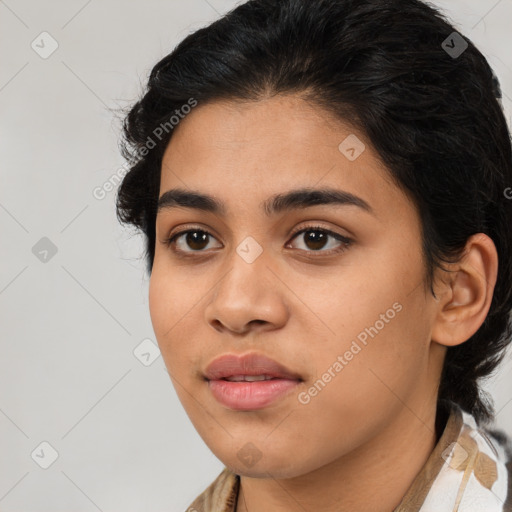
368	386
174	320
380	341
168	295
166	311
157	300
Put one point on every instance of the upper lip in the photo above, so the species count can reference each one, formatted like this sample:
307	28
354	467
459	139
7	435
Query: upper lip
229	365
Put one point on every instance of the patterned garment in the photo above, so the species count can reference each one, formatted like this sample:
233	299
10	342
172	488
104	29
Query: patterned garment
469	470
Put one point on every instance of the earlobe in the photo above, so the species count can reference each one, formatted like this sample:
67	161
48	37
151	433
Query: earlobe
465	298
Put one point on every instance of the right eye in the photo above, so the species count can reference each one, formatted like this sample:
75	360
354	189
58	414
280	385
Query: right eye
196	239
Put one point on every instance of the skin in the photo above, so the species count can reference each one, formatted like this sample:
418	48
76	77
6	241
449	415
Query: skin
377	416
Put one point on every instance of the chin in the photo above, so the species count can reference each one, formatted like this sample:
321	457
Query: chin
266	467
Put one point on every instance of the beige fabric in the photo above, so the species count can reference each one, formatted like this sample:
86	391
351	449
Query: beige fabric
220	496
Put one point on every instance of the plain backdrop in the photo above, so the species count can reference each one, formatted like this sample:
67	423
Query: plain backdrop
83	390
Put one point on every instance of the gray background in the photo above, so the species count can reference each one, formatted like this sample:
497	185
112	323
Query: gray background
70	325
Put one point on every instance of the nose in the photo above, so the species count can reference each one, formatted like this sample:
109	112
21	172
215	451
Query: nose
249	296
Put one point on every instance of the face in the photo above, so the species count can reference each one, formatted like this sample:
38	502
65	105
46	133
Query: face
331	290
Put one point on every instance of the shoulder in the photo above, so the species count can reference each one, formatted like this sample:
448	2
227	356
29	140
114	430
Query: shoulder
469	470
477	466
220	496
503	446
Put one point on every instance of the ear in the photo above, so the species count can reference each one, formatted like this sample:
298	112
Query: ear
464	298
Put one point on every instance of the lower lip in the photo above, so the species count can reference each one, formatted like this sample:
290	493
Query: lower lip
245	396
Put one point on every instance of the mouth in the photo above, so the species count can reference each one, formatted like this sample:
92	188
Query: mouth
249	378
249	382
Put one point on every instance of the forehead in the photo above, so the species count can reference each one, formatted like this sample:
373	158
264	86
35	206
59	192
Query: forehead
246	150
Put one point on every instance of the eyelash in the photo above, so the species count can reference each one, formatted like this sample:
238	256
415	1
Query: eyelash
347	242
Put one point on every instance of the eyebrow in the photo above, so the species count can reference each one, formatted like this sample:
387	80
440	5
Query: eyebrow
292	200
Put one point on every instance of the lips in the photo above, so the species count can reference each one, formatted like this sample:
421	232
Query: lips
234	367
249	382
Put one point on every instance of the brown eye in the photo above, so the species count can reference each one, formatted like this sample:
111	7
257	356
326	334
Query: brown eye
196	240
193	240
316	238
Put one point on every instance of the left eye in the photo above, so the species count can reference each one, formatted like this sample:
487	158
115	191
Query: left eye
317	238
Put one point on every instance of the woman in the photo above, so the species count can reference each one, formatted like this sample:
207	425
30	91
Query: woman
321	186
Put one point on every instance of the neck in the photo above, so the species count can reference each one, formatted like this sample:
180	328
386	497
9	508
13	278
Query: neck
374	477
